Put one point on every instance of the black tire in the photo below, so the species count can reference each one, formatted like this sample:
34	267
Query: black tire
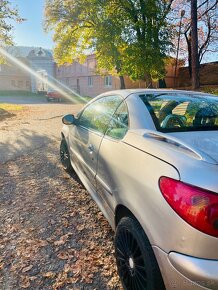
136	262
65	156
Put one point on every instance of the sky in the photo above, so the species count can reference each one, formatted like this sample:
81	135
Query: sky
30	32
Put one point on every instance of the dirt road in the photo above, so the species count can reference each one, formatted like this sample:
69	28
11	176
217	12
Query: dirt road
52	235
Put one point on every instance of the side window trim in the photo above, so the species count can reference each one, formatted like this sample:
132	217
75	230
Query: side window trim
113	138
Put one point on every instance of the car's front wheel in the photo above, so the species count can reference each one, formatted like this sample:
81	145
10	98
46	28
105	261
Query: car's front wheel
65	156
136	263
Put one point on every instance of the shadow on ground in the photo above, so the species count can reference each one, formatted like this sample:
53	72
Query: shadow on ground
52	234
5	115
25	142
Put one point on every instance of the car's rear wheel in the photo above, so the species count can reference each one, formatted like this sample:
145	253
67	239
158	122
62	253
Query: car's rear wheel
65	156
136	263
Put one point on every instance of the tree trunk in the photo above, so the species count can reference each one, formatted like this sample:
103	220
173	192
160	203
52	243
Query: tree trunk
122	83
194	45
188	41
148	81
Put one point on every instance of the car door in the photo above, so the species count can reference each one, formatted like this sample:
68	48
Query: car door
86	136
109	153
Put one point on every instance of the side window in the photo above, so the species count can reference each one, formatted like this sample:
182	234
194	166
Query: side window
98	114
119	122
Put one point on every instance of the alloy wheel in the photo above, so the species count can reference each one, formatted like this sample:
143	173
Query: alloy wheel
130	261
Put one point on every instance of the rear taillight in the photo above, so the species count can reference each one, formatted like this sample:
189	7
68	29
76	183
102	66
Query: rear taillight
196	206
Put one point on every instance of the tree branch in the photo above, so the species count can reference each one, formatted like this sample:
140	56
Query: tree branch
205	12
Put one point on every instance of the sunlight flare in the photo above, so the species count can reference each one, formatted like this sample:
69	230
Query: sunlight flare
56	87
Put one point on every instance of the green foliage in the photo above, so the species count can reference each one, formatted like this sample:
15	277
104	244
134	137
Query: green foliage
7	13
129	37
210	90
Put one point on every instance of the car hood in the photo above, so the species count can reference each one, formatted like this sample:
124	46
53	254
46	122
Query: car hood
174	147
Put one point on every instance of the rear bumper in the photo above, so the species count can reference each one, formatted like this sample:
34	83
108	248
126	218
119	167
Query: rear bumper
183	272
53	98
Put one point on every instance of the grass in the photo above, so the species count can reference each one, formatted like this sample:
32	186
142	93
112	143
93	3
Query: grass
11	107
17	93
30	94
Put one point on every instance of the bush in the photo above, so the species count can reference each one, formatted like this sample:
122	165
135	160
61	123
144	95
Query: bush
210	90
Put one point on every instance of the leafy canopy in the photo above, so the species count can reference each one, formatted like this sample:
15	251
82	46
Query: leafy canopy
7	13
131	36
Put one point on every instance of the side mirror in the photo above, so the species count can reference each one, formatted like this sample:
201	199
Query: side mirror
69	120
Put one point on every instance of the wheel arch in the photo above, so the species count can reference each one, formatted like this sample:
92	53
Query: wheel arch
65	133
122	211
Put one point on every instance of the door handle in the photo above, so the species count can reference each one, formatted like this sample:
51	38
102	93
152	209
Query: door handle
91	148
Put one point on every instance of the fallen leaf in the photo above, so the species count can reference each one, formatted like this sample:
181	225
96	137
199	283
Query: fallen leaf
62	240
80	227
32	278
26	269
63	256
25	283
1	266
50	275
59	243
42	243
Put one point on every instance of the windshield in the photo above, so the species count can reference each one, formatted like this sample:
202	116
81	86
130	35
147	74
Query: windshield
179	112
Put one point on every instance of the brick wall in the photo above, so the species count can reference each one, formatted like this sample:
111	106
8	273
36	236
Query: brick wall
208	75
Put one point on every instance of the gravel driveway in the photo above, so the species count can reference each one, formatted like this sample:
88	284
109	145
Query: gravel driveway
32	128
52	235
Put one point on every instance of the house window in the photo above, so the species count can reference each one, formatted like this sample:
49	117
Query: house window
108	81
20	84
90	81
13	83
27	84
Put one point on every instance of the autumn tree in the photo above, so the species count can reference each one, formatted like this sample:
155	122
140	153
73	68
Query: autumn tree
7	14
146	30
130	36
207	28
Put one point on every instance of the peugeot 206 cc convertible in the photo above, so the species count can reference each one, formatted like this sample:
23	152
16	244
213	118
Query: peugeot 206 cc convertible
149	158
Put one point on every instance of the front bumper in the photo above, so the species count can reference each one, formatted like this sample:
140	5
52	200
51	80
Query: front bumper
183	272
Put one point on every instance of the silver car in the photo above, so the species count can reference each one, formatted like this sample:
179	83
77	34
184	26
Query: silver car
149	158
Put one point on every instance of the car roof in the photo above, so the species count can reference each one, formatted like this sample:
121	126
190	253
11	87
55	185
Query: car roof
127	92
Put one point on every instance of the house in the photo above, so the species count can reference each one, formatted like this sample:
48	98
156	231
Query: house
82	78
86	81
15	78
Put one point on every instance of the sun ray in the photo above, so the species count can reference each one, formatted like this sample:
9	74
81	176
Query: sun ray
71	96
